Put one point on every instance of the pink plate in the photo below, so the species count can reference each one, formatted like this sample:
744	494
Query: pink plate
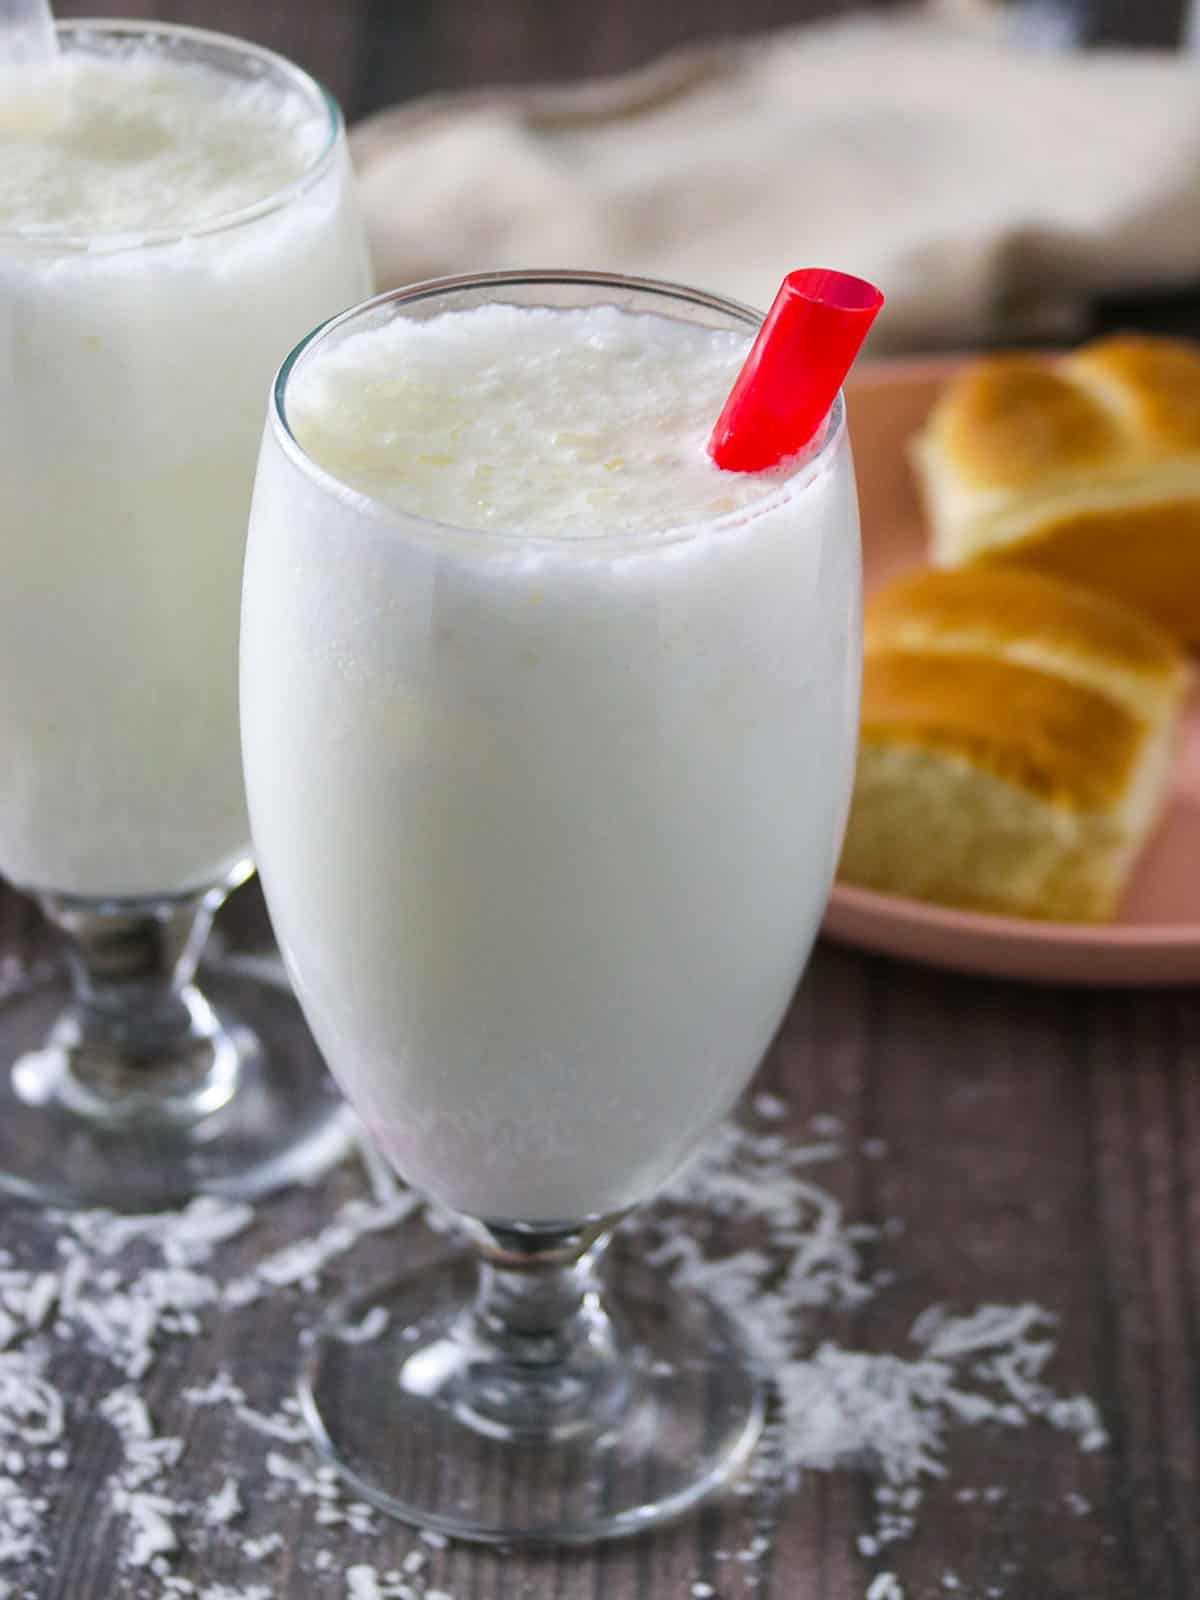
1156	939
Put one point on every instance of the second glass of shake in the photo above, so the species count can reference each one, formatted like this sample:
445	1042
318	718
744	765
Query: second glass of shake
175	211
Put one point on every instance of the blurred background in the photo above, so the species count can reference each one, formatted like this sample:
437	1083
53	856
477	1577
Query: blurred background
372	53
1008	170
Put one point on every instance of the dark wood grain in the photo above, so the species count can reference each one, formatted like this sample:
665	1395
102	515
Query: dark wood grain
1036	1145
374	52
453	44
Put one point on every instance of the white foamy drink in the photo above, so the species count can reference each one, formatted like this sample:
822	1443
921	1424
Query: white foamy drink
549	732
168	228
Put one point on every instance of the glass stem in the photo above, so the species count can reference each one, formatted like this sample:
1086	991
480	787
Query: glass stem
537	1290
545	1353
138	1035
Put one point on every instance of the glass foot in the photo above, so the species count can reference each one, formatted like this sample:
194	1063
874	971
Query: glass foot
658	1407
254	1109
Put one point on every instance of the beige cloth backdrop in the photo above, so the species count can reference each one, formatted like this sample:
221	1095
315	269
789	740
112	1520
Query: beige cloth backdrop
988	189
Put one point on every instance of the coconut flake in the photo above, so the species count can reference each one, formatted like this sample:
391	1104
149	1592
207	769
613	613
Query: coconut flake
31	1408
305	1260
885	1586
137	1486
224	1505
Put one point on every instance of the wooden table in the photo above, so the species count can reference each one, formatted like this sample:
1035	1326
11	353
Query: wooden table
1011	1144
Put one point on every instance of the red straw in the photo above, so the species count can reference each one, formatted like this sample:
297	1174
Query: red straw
796	365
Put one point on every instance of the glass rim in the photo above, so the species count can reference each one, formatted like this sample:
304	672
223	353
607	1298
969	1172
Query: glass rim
431	288
116	241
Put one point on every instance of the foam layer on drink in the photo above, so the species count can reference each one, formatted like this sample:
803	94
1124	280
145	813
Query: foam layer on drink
133	381
128	140
562	423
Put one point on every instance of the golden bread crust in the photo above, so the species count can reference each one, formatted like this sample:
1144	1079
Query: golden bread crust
1155	382
1053	738
1016	742
1084	465
989	607
1007	421
1149	555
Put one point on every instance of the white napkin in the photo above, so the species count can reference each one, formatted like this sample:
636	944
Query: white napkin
989	190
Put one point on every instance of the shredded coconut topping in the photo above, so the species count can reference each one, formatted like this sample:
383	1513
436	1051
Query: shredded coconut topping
127	1286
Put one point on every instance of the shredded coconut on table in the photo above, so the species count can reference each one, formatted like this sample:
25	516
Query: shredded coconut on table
32	1415
31	1409
840	1408
885	1586
221	1591
284	1424
185	1238
224	1505
124	1287
139	1486
304	1261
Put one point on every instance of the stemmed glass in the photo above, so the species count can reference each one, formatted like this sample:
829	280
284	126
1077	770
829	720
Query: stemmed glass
133	367
546	827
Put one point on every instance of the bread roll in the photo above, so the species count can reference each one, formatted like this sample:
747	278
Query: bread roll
1086	466
1016	743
